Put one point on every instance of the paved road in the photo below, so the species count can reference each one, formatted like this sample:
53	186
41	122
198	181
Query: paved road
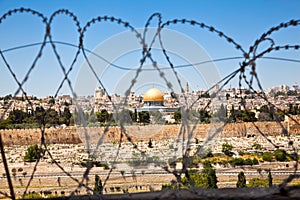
118	174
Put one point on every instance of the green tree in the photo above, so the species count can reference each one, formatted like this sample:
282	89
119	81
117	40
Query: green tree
33	153
291	93
280	155
237	162
211	177
5	123
267	156
51	101
241	180
206	179
255	161
196	179
52	117
17	116
204	116
133	115
177	116
248	161
66	115
98	189
103	116
7	97
242	115
144	117
270	179
40	115
30	120
226	149
248	116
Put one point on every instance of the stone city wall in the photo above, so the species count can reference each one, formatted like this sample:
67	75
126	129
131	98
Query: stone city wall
73	135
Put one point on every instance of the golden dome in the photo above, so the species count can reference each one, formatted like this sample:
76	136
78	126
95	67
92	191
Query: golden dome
153	94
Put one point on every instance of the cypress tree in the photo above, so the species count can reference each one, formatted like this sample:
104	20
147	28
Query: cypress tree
211	177
241	180
270	179
98	189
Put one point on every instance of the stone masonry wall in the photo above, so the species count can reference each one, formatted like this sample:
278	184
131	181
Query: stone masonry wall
73	135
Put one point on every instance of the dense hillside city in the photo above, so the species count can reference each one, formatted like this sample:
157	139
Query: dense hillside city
153	149
231	105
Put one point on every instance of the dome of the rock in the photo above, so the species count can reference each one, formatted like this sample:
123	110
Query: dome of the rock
153	94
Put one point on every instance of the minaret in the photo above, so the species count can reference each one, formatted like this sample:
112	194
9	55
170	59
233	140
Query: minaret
187	88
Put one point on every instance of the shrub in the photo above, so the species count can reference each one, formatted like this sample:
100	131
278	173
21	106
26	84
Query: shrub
206	179
197	180
255	161
267	156
280	155
33	153
237	161
47	192
167	186
256	182
223	162
257	146
105	165
248	161
226	149
259	170
33	196
24	173
211	177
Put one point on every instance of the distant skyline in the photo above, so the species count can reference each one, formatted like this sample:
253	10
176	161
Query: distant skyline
244	21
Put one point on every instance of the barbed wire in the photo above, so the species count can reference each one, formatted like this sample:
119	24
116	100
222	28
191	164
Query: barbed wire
187	129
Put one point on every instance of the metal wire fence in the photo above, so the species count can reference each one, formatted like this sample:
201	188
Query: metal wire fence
245	72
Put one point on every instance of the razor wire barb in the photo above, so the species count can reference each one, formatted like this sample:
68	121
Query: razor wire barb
248	60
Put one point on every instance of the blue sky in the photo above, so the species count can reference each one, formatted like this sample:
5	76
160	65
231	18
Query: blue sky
244	21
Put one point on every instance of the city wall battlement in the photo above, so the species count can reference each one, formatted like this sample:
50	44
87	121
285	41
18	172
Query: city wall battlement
73	135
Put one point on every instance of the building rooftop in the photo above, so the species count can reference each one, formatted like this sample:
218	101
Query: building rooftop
153	94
